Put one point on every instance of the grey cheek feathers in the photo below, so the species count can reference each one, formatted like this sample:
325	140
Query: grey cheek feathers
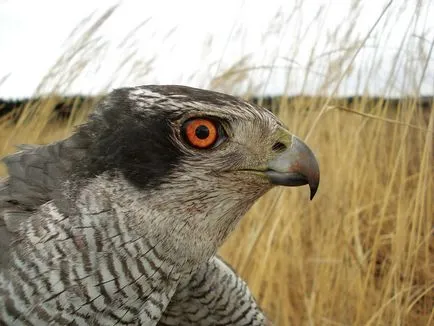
190	221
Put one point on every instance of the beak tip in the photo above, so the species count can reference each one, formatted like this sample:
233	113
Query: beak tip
313	190
313	185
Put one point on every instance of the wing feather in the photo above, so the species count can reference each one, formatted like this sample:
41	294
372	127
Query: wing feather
35	173
213	295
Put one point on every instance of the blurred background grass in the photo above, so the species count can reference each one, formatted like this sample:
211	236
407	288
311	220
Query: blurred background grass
362	252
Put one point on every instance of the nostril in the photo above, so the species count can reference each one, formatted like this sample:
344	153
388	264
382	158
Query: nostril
279	147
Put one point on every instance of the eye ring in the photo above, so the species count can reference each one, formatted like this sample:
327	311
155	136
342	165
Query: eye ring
201	133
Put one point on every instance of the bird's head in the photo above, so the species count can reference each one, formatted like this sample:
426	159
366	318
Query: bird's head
195	160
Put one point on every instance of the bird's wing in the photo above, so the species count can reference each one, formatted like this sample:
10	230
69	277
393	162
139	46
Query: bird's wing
79	274
213	295
34	175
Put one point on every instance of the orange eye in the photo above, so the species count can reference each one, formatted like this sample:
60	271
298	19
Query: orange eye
201	133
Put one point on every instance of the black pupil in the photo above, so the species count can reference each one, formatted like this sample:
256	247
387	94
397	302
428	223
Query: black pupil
202	132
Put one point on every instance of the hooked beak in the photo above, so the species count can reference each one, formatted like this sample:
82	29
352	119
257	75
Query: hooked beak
295	166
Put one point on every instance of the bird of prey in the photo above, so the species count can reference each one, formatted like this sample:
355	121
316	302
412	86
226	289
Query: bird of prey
120	223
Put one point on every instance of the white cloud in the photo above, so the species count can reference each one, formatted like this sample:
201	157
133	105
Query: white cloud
33	35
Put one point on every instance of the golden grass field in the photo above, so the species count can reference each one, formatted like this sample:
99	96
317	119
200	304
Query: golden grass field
360	253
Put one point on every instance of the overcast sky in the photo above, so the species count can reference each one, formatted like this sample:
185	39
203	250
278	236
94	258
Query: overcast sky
190	42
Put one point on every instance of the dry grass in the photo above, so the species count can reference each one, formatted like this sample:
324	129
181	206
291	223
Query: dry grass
362	252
